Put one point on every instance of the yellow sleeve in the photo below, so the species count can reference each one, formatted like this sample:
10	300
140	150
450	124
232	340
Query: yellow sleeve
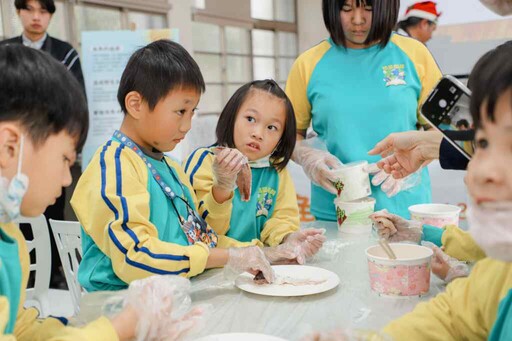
460	245
224	242
285	218
52	329
298	80
466	311
111	202
4	318
426	67
198	169
28	326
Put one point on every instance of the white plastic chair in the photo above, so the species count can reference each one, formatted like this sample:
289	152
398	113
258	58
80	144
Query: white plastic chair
67	238
38	295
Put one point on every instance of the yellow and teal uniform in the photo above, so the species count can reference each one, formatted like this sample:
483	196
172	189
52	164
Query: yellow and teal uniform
354	98
130	229
456	242
478	307
18	323
271	213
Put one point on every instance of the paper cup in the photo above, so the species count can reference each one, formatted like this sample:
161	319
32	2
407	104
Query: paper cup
352	182
438	215
408	275
353	216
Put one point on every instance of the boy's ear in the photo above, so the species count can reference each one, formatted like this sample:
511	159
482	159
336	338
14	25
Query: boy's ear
134	104
10	138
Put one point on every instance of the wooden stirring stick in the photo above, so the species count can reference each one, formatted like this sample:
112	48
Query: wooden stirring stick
385	246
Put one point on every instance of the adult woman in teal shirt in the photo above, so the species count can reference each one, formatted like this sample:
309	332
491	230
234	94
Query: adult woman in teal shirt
356	87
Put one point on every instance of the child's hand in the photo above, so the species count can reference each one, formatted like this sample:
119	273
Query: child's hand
306	242
250	259
158	299
226	166
395	228
440	266
446	267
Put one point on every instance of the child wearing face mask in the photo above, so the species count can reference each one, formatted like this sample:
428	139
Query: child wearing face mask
40	131
256	129
478	307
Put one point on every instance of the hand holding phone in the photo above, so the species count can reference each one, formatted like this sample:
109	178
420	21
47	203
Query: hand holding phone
447	110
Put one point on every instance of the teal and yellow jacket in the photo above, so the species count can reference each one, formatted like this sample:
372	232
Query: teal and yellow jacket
354	98
271	214
131	229
18	323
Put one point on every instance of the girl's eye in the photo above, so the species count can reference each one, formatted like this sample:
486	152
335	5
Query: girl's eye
251	119
272	127
482	143
181	112
346	8
368	8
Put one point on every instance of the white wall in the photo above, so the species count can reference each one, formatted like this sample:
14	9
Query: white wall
311	29
180	17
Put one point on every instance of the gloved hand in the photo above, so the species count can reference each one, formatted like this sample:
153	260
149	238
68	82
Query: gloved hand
319	165
250	259
157	308
389	184
306	243
447	268
395	228
283	254
226	166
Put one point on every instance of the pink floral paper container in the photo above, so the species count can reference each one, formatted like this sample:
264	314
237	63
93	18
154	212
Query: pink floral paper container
406	276
438	215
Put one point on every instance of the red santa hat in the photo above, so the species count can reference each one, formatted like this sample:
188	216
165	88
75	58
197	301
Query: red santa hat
424	10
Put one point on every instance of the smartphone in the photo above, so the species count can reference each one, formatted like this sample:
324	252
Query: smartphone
447	110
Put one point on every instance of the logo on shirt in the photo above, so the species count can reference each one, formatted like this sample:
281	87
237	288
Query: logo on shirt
265	200
394	74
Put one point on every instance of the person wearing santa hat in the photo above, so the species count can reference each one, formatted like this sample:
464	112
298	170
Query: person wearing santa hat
419	21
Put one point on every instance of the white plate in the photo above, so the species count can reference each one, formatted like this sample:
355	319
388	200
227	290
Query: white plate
240	336
296	272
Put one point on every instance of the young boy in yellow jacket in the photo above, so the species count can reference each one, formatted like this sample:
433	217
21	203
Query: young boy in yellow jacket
478	307
138	211
43	121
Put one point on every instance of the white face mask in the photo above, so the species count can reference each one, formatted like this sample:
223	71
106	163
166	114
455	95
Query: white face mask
491	226
11	194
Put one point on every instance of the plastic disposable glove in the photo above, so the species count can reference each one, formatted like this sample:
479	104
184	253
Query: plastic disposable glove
162	308
226	166
249	259
395	228
306	243
389	184
447	268
319	165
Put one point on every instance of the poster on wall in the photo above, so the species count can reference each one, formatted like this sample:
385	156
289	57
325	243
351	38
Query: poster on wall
104	57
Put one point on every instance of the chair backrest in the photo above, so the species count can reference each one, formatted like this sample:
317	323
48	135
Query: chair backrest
42	266
68	241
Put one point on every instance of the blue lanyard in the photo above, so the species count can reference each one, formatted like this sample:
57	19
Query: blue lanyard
196	222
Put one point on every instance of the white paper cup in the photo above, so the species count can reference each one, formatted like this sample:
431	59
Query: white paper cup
408	275
352	182
353	216
438	215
